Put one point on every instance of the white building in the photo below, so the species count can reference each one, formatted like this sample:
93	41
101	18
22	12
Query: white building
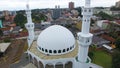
103	24
56	46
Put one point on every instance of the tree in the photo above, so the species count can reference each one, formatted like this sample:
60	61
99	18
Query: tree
116	59
113	8
117	43
104	16
20	20
79	9
7	40
37	18
1	33
92	22
2	18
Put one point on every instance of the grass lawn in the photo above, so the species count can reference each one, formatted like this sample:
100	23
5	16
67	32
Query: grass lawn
103	59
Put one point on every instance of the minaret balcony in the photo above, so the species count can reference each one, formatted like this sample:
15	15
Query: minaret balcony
29	26
87	11
84	39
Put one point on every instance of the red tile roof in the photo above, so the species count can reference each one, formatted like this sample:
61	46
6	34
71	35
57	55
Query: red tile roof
108	38
6	28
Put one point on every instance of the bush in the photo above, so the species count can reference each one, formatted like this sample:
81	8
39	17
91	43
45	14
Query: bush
91	54
7	40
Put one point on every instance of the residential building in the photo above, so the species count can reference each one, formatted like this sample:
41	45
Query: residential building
71	5
56	12
118	4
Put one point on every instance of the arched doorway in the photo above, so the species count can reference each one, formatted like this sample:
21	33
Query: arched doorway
69	64
35	62
49	66
41	64
59	65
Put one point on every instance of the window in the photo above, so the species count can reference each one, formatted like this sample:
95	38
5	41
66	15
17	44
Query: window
70	48
50	51
59	51
87	41
63	50
55	51
73	46
67	49
46	50
89	10
28	25
42	49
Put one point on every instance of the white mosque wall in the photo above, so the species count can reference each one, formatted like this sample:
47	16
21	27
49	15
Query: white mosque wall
53	62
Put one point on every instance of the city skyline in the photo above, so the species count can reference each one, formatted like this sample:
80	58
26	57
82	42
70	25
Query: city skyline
40	4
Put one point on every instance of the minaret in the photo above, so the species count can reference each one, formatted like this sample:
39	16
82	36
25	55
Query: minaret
84	37
29	26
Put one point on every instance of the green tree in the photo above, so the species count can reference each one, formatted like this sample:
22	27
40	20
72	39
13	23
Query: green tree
7	40
20	20
79	9
1	33
92	22
117	43
104	16
113	8
116	59
2	18
37	17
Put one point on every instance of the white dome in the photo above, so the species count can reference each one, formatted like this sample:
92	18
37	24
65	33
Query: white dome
56	40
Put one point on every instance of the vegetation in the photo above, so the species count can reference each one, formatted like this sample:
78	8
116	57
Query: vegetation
1	33
116	59
7	40
79	9
104	16
37	18
117	43
113	8
20	20
102	58
2	18
92	22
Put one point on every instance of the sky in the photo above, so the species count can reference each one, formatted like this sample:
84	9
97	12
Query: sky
21	4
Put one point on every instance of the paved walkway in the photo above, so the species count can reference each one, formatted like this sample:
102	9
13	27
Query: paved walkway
23	62
13	53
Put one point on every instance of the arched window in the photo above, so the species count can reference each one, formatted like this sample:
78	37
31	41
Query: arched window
59	51
73	46
50	51
28	25
55	51
46	50
42	49
63	50
70	48
89	10
67	49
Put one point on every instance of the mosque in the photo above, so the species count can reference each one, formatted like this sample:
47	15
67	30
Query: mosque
56	47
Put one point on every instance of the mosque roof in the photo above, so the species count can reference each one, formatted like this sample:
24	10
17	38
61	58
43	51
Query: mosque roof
56	38
33	49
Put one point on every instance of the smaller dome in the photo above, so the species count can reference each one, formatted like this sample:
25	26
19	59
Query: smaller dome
56	40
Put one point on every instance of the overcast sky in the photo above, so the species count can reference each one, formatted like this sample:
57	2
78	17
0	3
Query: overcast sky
21	4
